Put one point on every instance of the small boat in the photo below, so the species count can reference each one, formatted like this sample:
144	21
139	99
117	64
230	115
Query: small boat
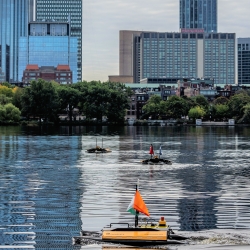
155	159
98	149
148	233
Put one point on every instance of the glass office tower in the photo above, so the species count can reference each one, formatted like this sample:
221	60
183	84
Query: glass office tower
14	24
244	61
48	44
198	14
67	11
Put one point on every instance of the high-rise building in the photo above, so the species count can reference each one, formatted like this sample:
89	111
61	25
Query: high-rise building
13	25
187	55
67	11
48	44
198	14
244	61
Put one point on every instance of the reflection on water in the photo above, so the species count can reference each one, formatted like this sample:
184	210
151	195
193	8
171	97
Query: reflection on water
51	188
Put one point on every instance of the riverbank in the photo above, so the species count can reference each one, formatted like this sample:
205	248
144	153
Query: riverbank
162	123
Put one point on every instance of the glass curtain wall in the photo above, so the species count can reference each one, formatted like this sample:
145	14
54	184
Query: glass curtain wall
13	25
199	14
64	10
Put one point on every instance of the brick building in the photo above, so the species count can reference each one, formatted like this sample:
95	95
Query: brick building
61	74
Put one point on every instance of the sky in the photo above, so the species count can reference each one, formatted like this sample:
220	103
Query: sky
103	19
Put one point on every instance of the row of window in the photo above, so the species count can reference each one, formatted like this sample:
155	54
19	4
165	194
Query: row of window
38	74
188	35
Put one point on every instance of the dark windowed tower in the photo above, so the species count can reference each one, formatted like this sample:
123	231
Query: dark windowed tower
64	10
198	14
244	61
13	25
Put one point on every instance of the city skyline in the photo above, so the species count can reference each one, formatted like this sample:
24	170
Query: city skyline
101	47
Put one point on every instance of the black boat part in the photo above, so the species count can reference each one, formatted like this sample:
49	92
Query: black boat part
139	243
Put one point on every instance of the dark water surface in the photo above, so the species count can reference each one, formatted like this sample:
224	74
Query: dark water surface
50	188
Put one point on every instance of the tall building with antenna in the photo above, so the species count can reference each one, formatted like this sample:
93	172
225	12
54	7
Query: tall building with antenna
199	14
66	11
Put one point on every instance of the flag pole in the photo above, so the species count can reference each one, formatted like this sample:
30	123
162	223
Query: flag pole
136	212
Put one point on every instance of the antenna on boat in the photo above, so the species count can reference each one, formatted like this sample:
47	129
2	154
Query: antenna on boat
96	142
102	142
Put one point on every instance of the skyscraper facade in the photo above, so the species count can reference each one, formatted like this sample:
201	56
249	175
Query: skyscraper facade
187	55
13	25
244	61
67	11
198	14
48	44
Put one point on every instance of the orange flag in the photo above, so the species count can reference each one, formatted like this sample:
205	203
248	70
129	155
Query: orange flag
139	204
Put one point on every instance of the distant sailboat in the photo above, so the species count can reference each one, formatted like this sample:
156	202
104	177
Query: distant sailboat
156	159
98	149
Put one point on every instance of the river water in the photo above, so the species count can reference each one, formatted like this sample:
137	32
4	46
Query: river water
50	188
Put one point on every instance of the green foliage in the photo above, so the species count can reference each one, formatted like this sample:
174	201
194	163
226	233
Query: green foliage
221	111
176	107
103	99
40	100
201	101
17	97
246	114
154	107
243	91
4	90
9	113
220	100
118	103
68	98
4	99
196	112
6	84
236	104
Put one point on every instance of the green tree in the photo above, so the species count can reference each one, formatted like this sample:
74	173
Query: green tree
2	113
12	112
118	101
4	90
40	100
153	107
236	104
201	101
103	99
246	114
9	113
68	98
6	84
196	112
176	107
221	111
220	100
4	99
17	97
